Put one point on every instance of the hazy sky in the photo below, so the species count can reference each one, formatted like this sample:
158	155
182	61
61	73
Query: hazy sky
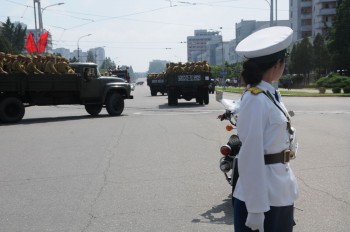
135	32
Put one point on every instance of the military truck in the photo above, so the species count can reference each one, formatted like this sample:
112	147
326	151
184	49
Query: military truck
156	83
187	83
121	73
86	87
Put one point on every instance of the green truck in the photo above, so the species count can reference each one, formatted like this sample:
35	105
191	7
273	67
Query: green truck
156	83
188	86
86	87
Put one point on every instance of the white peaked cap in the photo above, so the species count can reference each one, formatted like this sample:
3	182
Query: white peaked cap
265	42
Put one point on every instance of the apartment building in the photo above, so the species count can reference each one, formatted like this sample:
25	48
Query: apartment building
200	43
309	17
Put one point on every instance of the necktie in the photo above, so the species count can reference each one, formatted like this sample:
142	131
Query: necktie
276	96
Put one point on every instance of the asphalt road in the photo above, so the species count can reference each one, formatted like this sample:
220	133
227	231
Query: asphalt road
155	168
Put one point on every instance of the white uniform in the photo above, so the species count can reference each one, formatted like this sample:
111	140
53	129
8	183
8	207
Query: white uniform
262	128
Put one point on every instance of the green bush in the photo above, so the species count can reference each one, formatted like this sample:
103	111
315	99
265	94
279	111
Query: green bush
322	89
336	90
346	89
333	80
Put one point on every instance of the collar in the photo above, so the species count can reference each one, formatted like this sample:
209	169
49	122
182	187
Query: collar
266	87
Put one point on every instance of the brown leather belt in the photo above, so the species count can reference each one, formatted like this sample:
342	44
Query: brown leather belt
281	157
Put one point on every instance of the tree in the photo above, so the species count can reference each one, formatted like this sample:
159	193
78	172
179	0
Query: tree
339	43
301	58
321	57
12	37
108	63
90	56
73	60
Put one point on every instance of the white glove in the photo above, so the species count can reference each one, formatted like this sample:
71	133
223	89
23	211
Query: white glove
255	221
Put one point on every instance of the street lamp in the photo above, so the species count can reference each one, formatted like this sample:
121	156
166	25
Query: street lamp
78	44
41	14
271	11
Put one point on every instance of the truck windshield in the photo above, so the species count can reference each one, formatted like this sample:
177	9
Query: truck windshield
98	73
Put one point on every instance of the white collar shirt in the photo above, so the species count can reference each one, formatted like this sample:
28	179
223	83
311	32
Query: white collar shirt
262	129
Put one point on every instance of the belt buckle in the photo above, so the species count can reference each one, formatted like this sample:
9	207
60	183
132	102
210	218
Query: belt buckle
286	156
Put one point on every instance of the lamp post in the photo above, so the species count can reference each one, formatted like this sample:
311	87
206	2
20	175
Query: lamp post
222	55
41	28
271	11
78	44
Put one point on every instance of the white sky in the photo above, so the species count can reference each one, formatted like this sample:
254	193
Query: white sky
135	32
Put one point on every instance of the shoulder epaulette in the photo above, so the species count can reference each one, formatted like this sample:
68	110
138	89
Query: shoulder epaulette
255	90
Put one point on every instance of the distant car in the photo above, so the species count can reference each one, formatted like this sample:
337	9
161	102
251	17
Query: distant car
139	83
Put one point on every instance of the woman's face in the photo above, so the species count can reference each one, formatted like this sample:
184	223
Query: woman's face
279	66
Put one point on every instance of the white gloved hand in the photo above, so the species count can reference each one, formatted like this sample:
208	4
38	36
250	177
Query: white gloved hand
255	221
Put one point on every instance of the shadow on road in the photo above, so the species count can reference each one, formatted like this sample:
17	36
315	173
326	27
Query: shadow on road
220	214
181	105
56	119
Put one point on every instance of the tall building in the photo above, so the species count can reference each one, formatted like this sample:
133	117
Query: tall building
309	17
197	44
99	55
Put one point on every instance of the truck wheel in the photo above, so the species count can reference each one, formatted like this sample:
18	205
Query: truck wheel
170	97
11	110
115	104
153	92
175	102
199	100
205	97
93	109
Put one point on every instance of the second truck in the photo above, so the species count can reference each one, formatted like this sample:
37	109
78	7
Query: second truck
188	81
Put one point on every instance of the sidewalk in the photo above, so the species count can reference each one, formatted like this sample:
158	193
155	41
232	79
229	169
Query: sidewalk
300	90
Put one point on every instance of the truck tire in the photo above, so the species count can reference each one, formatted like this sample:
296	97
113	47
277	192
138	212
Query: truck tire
153	92
205	96
93	109
199	99
170	97
11	110
115	104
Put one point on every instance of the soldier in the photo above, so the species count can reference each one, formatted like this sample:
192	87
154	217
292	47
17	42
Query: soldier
187	68
31	67
63	67
8	63
50	66
70	69
197	68
39	63
2	60
170	69
17	66
206	66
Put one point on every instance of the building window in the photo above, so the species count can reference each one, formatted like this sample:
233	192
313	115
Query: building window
306	10
305	34
306	22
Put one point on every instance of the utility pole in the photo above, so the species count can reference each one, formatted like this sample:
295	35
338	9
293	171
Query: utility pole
37	12
271	13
